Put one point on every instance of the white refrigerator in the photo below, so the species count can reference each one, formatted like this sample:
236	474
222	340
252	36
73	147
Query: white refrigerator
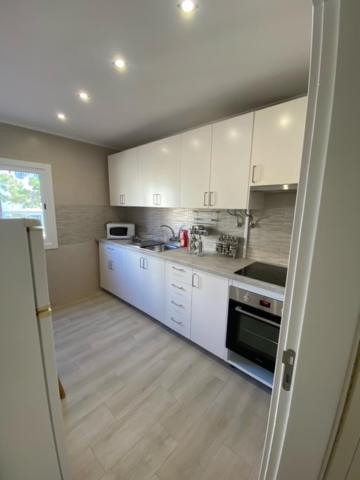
32	443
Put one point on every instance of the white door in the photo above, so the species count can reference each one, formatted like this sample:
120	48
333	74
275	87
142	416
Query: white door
124	178
195	167
230	162
153	287
278	143
209	312
160	172
321	310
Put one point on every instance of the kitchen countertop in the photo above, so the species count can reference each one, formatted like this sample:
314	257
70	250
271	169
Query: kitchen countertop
211	263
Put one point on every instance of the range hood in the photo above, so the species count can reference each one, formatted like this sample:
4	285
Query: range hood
289	187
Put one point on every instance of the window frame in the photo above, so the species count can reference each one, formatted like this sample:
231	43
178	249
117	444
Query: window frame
47	194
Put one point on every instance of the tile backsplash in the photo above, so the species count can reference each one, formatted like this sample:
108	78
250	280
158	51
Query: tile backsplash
268	241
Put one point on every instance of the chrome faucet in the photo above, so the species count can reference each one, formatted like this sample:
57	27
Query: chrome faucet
173	237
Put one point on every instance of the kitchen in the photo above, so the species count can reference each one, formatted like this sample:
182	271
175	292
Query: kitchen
167	277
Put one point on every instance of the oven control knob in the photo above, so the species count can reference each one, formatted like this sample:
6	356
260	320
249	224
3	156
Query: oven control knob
246	297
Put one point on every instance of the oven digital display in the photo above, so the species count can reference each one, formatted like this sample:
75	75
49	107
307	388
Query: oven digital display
265	303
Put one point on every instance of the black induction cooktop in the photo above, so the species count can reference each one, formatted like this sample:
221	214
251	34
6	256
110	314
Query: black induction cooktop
265	272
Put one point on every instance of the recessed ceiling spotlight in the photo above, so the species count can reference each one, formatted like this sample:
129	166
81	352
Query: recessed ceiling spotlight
84	96
119	63
61	116
187	6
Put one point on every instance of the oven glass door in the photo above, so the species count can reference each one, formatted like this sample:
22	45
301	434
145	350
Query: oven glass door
253	335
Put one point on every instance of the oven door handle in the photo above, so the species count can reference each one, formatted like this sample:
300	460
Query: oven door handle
264	320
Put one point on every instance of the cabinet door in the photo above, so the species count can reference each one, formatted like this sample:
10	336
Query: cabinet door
153	287
124	178
131	290
230	162
195	167
210	298
160	172
107	258
278	143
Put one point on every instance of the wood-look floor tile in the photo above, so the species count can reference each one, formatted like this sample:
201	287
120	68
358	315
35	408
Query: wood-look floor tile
126	433
144	404
84	465
146	456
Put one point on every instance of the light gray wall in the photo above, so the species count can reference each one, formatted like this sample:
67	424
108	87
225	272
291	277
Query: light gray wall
80	181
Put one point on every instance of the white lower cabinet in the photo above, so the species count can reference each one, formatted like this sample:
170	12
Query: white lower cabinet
178	293
196	306
134	277
151	288
191	302
210	295
109	257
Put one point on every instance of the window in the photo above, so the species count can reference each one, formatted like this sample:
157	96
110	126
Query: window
26	191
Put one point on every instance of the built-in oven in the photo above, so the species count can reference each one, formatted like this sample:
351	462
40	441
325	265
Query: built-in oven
253	326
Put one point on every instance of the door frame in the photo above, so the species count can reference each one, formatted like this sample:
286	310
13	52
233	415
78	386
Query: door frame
321	308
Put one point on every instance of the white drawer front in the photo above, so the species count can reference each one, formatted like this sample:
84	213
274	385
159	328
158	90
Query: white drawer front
178	320
178	273
179	306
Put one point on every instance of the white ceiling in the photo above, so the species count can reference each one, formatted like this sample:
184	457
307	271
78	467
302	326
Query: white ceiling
233	55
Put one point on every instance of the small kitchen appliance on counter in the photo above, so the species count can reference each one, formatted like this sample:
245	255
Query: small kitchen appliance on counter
120	231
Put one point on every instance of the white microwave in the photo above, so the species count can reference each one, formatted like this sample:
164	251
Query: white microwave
120	231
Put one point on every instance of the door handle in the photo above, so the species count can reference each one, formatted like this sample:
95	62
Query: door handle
210	199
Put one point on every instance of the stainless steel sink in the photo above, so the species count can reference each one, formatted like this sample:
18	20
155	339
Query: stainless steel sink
162	247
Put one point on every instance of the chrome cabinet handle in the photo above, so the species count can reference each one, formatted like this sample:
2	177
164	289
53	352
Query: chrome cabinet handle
145	264
176	321
123	199
178	269
261	319
154	198
176	286
253	174
177	304
140	260
211	204
159	201
206	204
196	285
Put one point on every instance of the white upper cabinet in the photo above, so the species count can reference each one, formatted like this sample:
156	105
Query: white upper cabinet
230	162
195	167
124	178
160	172
278	143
